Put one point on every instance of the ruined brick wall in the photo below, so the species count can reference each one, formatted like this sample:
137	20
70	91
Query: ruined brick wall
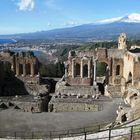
136	76
27	60
85	53
128	66
29	106
78	76
75	107
25	103
101	53
80	81
116	71
112	57
21	68
115	53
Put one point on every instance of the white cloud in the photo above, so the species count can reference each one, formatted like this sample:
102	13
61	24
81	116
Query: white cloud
26	5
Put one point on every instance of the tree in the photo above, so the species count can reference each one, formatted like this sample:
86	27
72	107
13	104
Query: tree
101	69
43	70
52	70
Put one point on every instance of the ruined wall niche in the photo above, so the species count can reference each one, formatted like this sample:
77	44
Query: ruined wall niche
85	70
118	70
129	78
20	68
77	70
28	69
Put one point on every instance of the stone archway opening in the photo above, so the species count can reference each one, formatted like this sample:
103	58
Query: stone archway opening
28	69
102	76
129	78
20	68
85	70
117	70
101	88
77	70
101	69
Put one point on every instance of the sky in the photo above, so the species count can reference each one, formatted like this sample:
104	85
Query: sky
23	16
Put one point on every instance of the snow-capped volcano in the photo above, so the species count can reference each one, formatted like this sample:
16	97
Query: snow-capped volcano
132	18
107	29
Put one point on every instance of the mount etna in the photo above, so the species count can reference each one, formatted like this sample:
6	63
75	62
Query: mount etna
107	29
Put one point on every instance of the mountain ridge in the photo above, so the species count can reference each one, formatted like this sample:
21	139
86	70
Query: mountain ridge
107	29
131	18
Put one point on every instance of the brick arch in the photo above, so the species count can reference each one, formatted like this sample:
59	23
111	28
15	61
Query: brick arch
101	68
104	61
107	61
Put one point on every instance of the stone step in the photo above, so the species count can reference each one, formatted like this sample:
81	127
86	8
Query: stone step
116	88
75	90
115	91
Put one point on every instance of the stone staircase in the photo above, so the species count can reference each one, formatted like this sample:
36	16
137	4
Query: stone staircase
114	90
78	90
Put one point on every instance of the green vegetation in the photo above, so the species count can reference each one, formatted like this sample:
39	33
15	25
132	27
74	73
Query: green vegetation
62	51
52	70
133	43
101	69
106	44
136	129
94	45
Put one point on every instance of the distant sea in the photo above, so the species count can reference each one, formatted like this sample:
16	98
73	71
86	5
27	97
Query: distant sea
7	41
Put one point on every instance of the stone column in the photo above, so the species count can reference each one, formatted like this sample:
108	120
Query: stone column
32	69
24	69
12	67
113	71
94	77
89	68
66	69
81	69
17	69
72	68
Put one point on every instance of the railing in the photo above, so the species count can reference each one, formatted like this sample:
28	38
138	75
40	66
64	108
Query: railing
94	133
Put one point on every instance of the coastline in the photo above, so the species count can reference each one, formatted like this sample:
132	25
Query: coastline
7	41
